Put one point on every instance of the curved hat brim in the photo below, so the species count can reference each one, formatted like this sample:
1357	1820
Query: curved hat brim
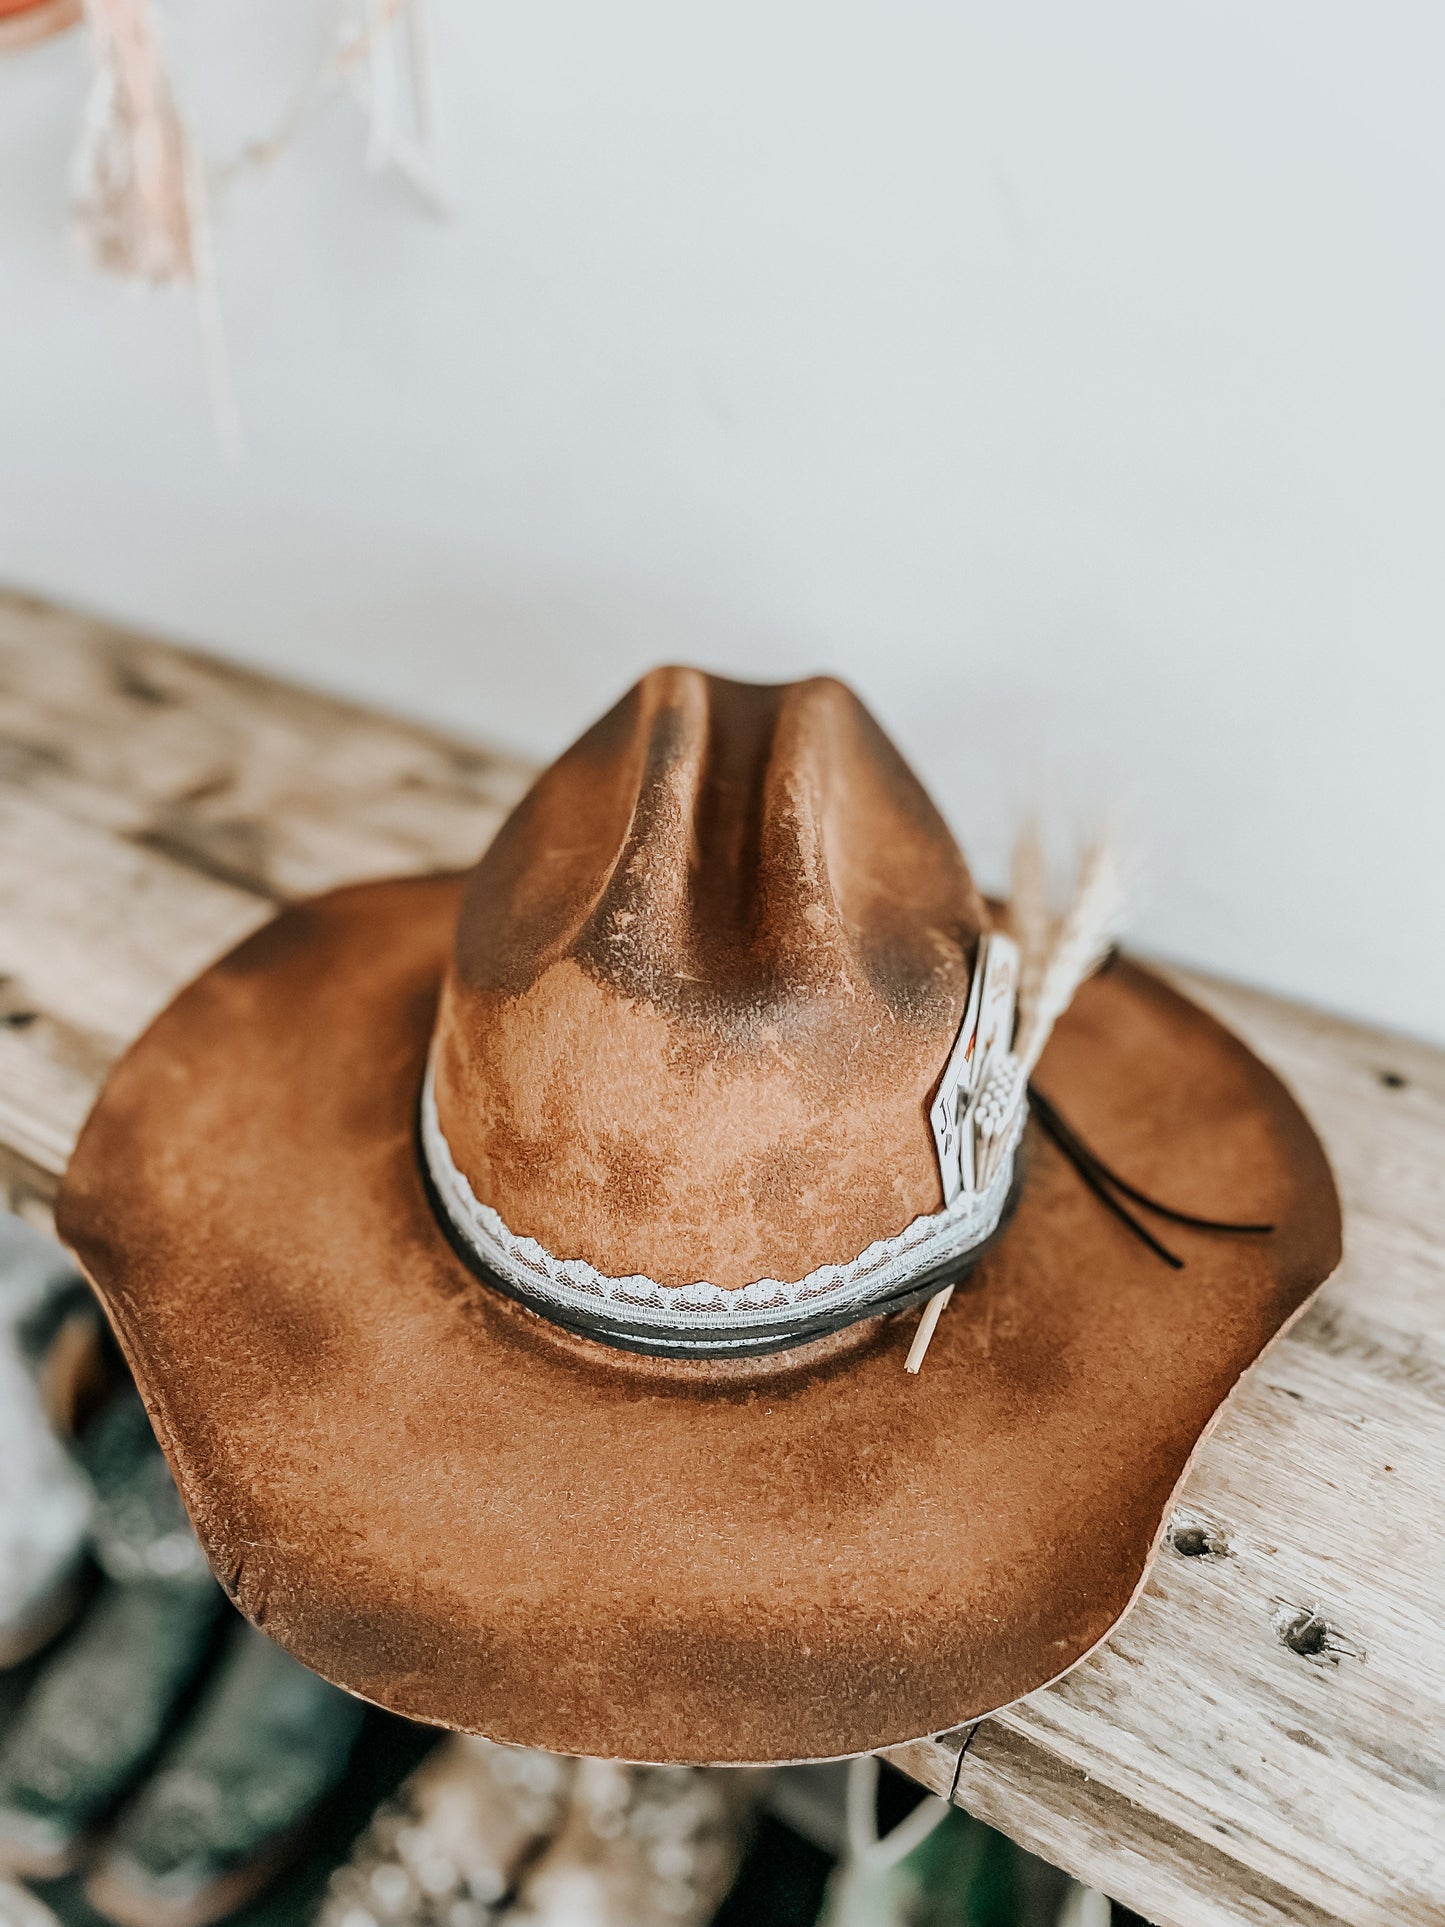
453	1509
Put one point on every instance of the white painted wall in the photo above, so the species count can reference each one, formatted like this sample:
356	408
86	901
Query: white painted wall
1072	378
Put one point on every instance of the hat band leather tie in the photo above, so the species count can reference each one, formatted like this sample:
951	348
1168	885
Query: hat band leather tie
703	1320
1110	1189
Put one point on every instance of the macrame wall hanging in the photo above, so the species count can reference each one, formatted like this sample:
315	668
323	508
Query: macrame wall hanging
143	188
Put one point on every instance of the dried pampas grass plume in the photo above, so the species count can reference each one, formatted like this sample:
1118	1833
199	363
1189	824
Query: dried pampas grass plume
1057	953
1029	921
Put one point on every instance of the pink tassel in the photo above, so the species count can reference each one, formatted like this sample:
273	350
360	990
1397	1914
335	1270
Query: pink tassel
136	175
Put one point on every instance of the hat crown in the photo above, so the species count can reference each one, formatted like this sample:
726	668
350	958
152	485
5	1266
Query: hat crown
704	981
726	850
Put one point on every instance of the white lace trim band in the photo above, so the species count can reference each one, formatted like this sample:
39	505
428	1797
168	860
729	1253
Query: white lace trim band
702	1319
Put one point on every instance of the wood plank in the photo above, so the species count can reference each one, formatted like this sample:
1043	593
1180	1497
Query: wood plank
272	788
155	806
1263	1740
1278	1693
1083	1825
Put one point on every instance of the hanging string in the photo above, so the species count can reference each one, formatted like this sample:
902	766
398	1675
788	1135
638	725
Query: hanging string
1107	1185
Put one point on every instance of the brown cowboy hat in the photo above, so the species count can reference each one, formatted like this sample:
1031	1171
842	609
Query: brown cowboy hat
520	1268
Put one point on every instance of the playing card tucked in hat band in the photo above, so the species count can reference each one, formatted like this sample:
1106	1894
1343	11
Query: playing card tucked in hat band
713	1052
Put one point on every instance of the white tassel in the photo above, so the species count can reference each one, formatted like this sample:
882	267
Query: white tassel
402	39
368	46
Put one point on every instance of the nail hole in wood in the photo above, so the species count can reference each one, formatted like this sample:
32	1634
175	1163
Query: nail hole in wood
1193	1540
1393	1080
132	682
1308	1633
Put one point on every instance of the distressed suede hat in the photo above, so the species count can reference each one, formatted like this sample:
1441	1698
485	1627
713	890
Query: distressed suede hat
523	1270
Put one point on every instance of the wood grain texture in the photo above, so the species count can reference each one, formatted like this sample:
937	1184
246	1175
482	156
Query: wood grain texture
1263	1740
155	807
1277	1696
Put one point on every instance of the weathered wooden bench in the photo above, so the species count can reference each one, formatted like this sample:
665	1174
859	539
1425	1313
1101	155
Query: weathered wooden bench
1263	1740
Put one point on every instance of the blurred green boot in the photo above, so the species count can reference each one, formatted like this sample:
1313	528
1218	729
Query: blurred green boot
44	1499
228	1804
99	1709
